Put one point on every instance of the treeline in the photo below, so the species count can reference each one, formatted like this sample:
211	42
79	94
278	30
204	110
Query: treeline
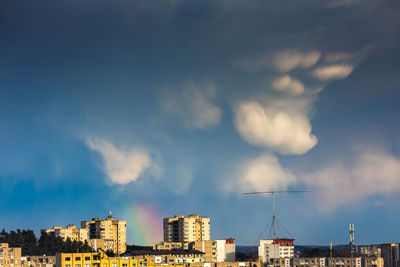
319	252
48	244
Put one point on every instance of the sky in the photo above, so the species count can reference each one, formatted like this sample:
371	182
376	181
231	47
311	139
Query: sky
151	109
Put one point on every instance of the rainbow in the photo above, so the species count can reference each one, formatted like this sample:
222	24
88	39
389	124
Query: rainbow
144	225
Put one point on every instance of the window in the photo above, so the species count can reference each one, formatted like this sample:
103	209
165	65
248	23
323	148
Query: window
87	265
67	265
124	265
133	264
77	258
67	259
114	265
87	258
105	265
77	265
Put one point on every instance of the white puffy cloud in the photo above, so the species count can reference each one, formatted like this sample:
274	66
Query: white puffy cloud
332	72
288	60
373	171
258	174
122	167
275	126
193	105
289	85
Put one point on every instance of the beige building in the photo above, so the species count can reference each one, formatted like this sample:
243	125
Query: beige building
9	257
170	257
38	261
186	229
226	264
71	232
169	245
109	229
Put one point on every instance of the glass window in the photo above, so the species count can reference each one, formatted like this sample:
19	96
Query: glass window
114	265
77	265
67	259
124	265
87	265
87	258
77	258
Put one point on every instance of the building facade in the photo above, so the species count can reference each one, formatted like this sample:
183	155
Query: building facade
368	250
186	229
390	253
112	231
275	249
100	259
225	250
9	257
71	232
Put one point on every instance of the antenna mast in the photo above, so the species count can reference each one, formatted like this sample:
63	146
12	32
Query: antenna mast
272	193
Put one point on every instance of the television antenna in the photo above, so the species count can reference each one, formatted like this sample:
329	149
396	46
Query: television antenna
273	193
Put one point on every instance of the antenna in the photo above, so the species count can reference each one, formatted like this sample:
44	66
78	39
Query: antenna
272	193
351	230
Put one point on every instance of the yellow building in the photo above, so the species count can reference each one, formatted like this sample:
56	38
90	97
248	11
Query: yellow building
71	232
186	229
9	257
100	259
109	229
170	257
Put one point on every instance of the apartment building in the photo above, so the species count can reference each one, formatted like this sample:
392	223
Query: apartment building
38	261
344	262
226	264
186	229
225	250
71	232
368	250
168	246
309	262
327	262
275	249
391	254
111	230
100	259
9	257
170	257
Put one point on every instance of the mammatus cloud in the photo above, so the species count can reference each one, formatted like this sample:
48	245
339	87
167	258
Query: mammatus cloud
332	72
193	105
289	85
275	127
122	167
261	173
373	171
288	60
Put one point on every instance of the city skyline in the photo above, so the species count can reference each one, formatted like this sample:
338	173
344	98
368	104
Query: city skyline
161	108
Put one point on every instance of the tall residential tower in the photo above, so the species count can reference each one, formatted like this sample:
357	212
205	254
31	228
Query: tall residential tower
186	229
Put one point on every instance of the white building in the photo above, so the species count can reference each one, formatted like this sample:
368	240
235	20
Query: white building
275	249
225	250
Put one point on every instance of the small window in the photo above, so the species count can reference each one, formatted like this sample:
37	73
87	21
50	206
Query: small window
67	259
114	265
87	258
105	265
77	258
87	265
133	264
77	265
124	265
